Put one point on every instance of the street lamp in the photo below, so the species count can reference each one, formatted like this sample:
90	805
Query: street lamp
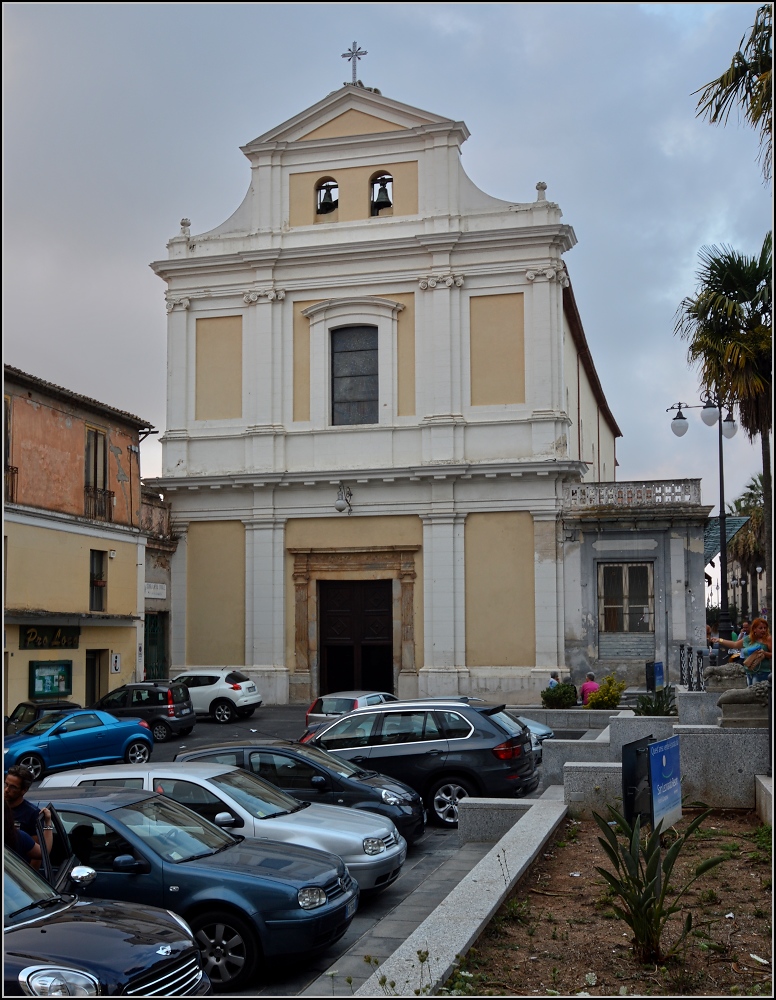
711	414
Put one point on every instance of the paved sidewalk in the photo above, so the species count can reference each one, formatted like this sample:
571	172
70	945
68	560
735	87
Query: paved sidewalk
382	923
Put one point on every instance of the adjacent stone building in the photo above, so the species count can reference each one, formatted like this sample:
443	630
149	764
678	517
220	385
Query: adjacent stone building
74	545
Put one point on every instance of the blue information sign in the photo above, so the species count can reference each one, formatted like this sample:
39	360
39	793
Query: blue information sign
665	781
660	682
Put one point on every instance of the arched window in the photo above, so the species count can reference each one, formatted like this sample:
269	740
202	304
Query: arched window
381	194
354	378
326	196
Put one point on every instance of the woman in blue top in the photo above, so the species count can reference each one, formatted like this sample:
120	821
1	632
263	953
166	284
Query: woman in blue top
755	651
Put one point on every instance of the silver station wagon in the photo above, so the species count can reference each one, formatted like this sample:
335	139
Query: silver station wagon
369	844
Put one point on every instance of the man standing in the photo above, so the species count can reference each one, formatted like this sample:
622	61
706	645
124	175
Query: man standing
17	784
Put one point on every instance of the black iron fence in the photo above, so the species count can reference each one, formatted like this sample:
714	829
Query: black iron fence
691	668
11	475
98	504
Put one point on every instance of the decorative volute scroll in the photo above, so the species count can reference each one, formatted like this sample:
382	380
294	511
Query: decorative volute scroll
558	274
252	295
181	303
446	280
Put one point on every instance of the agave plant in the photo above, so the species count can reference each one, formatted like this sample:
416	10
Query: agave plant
662	702
643	884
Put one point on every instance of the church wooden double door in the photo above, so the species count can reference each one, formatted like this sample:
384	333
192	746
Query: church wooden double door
356	635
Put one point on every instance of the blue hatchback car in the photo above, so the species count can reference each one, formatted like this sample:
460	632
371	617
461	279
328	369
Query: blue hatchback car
68	738
245	900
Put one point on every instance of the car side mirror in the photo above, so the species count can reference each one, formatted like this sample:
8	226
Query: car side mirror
83	875
225	819
126	863
318	781
60	731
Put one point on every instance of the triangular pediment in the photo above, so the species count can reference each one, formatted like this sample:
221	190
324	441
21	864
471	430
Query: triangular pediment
350	111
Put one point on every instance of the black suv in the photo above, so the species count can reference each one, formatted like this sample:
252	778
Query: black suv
445	750
164	705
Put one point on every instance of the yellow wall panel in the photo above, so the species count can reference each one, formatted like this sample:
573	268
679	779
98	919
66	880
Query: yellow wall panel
48	569
499	559
219	368
301	397
405	369
215	599
352	122
497	349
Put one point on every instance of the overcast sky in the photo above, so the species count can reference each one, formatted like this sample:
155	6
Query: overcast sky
120	119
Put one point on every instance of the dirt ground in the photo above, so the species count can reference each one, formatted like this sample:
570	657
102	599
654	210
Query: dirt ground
558	933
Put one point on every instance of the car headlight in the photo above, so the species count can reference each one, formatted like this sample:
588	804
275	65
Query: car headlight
50	981
373	845
389	798
311	897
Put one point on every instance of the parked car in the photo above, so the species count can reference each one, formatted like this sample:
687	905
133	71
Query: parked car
77	738
539	733
245	900
313	775
222	692
59	945
28	711
165	705
445	750
329	706
370	845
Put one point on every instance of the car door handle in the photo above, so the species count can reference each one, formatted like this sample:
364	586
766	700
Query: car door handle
433	753
359	760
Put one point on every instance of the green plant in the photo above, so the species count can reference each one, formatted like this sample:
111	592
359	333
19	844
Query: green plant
608	694
638	879
660	703
763	837
560	696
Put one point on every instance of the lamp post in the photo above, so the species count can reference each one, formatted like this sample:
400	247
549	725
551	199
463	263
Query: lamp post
711	414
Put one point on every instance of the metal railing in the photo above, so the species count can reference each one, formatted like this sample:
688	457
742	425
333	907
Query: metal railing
11	476
691	670
584	496
98	504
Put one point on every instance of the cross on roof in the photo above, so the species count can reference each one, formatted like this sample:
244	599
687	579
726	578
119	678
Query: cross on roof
353	54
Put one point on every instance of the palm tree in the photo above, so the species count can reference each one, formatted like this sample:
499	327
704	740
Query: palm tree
728	323
746	83
747	547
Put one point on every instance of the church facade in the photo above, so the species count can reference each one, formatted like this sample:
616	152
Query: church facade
378	388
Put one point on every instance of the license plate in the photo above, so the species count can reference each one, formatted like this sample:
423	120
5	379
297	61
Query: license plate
350	909
185	711
250	687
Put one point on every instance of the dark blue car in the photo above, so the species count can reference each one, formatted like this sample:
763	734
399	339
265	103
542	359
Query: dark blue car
63	739
245	900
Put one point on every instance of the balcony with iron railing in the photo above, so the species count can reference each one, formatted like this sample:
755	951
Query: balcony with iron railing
98	504
661	493
11	476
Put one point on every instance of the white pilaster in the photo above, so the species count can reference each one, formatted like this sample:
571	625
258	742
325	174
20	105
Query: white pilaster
547	599
443	590
264	592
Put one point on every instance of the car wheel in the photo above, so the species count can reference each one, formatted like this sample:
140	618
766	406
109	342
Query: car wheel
161	731
442	800
138	752
245	713
34	763
187	731
223	711
229	949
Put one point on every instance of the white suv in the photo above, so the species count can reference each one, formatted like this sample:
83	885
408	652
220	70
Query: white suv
223	692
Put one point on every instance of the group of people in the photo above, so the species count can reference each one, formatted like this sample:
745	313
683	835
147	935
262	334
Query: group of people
20	818
753	647
585	691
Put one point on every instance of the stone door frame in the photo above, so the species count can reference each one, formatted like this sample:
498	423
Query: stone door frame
374	562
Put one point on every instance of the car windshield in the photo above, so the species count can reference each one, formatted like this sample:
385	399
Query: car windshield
257	797
171	830
23	888
509	722
339	765
45	722
333	706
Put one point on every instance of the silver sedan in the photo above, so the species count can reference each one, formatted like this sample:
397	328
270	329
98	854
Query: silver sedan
369	844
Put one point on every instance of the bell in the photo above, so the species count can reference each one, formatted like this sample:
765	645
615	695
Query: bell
327	203
382	200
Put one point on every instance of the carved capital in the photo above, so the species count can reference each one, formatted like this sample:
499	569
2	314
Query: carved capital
252	295
182	303
445	280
